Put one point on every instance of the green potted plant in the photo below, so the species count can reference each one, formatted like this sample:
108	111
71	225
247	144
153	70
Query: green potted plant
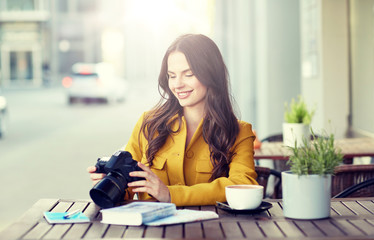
307	186
297	119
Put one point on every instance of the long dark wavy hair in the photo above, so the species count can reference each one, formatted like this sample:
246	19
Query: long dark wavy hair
220	125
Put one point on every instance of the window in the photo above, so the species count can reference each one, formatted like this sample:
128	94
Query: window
20	5
21	66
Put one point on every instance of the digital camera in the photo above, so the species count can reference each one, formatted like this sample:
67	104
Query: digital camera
112	188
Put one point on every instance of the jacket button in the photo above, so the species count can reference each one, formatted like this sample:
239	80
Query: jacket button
189	154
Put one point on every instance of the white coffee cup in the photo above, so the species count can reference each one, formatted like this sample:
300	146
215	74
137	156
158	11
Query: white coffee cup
242	197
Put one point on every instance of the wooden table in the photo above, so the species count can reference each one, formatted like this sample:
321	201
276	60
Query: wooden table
351	147
350	219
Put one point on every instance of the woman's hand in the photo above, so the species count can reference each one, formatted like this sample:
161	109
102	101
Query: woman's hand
152	185
95	177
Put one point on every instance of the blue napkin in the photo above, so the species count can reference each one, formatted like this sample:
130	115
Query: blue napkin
58	217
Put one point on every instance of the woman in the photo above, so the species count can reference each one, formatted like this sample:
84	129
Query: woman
191	145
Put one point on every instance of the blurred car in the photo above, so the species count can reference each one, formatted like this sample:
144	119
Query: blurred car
94	81
3	116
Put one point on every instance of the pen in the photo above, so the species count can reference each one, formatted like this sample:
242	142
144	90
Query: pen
71	214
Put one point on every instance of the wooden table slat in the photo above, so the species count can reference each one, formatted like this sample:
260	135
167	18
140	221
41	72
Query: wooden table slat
251	230
270	229
346	227
368	205
134	232
57	231
341	209
309	229
371	221
213	228
290	229
62	207
115	231
35	214
356	208
231	230
276	210
333	211
173	231
208	208
193	230
16	230
38	231
92	211
77	231
39	207
328	228
154	232
96	230
363	225
79	206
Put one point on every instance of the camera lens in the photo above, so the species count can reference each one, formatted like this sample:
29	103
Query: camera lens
109	191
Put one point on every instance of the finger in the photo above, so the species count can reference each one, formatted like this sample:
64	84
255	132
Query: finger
140	189
144	167
97	176
91	169
95	182
138	183
140	174
145	186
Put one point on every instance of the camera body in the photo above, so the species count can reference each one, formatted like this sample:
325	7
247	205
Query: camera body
112	188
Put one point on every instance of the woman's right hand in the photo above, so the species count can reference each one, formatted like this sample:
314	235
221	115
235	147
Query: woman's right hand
95	177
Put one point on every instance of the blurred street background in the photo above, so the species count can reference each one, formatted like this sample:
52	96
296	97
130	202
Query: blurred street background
50	144
274	51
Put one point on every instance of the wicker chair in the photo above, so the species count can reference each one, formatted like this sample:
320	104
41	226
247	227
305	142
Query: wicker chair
349	175
279	138
348	192
273	138
263	174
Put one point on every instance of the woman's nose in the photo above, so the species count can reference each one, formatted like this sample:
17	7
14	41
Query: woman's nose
178	82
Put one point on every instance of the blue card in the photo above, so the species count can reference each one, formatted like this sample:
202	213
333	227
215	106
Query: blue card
58	217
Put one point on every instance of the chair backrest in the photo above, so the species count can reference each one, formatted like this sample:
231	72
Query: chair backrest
263	174
351	174
273	138
279	138
348	192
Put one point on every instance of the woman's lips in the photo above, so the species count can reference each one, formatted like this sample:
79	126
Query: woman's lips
183	95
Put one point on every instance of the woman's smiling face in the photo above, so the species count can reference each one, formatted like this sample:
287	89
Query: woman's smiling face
189	91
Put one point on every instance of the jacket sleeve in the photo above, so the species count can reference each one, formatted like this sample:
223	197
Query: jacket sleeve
135	144
242	171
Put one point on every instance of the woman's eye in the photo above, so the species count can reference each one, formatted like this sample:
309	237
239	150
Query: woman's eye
172	76
189	75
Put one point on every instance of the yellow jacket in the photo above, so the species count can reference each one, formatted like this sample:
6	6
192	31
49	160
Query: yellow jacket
186	170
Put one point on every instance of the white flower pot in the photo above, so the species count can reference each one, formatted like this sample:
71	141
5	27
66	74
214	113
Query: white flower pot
295	132
306	196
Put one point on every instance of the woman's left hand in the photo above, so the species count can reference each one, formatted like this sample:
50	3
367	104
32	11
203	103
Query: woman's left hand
152	185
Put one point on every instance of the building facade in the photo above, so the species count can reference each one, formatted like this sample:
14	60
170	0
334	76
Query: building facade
23	38
41	39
